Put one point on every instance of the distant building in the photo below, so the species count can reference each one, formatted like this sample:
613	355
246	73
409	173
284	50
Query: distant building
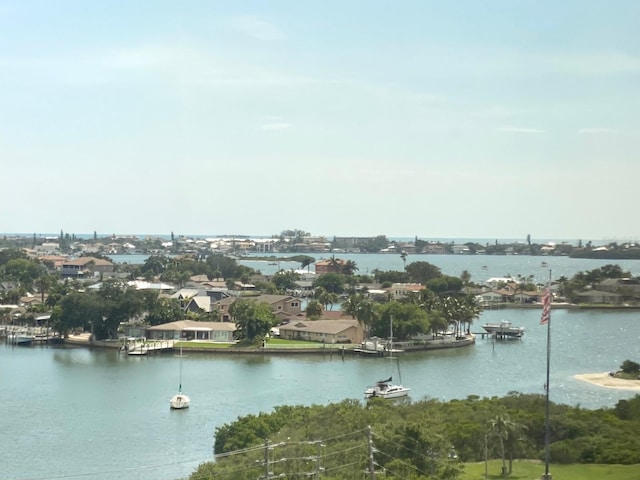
192	330
85	266
401	290
324	331
329	266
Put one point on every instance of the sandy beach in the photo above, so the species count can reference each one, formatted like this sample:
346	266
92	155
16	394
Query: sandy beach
606	380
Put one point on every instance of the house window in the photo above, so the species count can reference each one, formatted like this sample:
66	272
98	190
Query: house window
294	304
279	307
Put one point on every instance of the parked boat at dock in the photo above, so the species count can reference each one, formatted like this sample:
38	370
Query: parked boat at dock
23	339
503	329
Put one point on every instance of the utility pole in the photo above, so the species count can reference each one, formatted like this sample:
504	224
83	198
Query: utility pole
267	475
372	471
318	451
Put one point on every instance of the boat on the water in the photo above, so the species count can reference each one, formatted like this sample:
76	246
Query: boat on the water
180	400
20	338
503	329
386	389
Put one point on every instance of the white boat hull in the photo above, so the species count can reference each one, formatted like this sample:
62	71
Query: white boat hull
387	391
179	401
503	329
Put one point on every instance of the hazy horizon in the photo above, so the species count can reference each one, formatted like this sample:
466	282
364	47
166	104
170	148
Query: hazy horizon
423	118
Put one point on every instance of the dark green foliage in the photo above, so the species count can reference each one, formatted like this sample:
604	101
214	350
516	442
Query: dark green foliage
331	282
408	320
389	277
630	368
253	320
445	285
628	409
425	439
422	272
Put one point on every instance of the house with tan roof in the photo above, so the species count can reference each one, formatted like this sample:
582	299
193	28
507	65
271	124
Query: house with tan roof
281	305
324	331
85	266
329	266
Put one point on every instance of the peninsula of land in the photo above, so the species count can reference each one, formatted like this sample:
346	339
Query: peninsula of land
608	381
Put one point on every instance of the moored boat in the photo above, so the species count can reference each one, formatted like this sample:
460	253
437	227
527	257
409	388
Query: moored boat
503	329
386	389
180	400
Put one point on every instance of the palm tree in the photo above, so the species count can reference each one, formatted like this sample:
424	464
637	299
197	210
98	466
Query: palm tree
403	256
504	429
335	264
349	267
465	276
314	310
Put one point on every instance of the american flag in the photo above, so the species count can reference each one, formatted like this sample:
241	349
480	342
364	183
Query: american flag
546	307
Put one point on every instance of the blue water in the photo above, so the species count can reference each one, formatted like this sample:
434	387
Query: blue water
101	415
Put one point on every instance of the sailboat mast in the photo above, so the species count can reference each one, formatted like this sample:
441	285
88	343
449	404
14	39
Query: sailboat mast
180	384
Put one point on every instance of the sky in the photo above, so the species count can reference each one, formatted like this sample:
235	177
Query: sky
470	119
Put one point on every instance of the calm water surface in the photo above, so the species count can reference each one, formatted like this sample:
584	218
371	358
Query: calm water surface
71	413
99	414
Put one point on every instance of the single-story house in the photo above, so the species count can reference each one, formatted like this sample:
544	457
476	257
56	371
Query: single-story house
324	331
599	297
192	330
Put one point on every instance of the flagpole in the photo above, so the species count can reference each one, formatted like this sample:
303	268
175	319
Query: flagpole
546	318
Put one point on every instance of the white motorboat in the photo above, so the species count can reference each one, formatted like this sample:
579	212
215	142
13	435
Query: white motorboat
180	400
503	329
21	338
386	389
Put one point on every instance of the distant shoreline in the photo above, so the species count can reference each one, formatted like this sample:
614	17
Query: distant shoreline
607	381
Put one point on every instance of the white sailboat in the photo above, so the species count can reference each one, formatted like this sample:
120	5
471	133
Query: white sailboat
384	388
180	400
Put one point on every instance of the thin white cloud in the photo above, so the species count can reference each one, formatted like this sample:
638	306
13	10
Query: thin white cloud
257	28
512	129
499	111
597	131
275	126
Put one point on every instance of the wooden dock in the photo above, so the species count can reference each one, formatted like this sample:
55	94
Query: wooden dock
148	347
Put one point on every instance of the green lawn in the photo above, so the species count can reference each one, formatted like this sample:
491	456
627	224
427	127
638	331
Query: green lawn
281	343
533	470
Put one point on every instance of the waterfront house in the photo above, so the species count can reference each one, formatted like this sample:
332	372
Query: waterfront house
489	298
85	266
434	248
191	330
332	265
281	305
629	288
324	331
597	297
401	290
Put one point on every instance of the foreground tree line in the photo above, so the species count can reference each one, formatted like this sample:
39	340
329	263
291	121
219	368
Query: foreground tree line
425	439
